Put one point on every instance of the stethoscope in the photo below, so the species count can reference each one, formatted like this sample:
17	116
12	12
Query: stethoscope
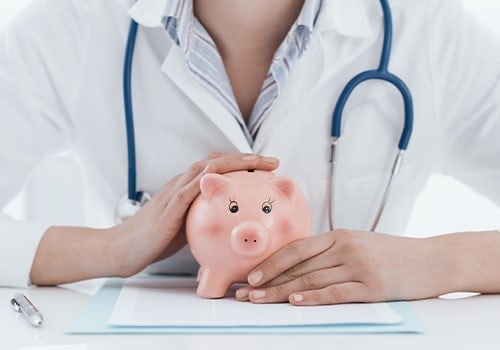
381	73
133	200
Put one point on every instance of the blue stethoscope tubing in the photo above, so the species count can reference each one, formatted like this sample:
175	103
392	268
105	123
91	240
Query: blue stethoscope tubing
381	73
133	195
130	204
135	199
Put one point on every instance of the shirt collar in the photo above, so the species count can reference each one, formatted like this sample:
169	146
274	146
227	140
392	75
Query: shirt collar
309	13
177	18
301	30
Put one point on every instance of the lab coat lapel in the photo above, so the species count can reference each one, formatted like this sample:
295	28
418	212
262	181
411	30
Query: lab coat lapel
345	29
175	68
303	78
148	13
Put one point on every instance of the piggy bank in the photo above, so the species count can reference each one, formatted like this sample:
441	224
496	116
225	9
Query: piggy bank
237	221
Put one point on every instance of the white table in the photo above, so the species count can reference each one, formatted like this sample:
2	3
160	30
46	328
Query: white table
468	323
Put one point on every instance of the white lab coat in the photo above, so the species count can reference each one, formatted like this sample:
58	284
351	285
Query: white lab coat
60	87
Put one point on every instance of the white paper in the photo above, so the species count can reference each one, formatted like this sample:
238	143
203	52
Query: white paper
56	347
173	302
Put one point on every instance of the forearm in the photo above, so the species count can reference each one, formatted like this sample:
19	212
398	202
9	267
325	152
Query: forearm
69	254
472	261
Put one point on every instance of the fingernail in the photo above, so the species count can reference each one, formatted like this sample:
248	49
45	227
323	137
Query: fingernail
257	294
298	298
255	277
242	293
271	160
249	157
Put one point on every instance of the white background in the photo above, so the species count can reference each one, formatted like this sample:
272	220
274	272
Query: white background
444	206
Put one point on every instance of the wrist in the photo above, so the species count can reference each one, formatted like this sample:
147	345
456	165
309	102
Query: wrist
470	260
116	253
445	264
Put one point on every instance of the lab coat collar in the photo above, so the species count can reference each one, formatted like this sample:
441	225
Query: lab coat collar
148	13
350	18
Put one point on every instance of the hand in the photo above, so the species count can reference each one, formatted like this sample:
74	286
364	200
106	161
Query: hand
157	230
348	266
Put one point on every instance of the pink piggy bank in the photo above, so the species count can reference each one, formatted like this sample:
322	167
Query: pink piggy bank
238	220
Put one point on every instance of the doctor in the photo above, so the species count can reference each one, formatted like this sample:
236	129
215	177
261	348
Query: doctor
225	85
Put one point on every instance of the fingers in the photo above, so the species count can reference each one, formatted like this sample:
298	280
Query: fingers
311	281
189	177
177	206
326	259
216	162
349	292
294	253
187	187
242	293
326	287
225	162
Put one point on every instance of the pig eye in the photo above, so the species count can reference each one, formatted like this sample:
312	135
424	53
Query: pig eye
233	207
267	206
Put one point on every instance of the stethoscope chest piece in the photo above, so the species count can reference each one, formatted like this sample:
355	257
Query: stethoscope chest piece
126	207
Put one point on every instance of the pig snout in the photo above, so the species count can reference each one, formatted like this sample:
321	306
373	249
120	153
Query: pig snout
250	239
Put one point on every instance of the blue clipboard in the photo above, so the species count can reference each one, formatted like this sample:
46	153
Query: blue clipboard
93	319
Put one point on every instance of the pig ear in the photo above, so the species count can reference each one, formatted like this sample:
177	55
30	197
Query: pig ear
211	183
285	185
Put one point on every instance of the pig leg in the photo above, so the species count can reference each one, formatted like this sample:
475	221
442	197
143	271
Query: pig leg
212	284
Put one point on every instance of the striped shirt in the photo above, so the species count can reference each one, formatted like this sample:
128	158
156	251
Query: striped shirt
205	64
